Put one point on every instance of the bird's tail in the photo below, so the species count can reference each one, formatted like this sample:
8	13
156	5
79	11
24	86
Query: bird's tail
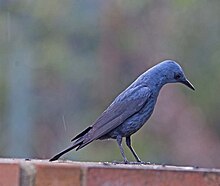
57	156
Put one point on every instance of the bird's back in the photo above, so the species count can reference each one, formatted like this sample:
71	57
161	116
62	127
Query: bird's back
135	122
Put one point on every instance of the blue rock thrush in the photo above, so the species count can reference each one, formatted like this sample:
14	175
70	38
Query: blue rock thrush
131	109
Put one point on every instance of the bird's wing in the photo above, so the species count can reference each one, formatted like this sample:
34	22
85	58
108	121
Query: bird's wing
125	105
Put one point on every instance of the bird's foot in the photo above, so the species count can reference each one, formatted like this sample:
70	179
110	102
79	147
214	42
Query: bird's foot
142	163
135	163
131	163
121	162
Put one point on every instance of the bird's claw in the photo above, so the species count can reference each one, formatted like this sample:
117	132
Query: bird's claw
132	163
121	162
143	163
139	163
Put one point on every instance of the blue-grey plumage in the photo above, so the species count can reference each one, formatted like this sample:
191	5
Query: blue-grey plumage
131	109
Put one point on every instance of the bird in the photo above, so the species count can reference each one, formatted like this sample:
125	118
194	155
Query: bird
131	109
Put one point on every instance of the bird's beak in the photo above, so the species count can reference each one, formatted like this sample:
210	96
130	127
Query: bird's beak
188	84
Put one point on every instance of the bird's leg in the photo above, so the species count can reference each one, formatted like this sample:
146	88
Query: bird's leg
128	142
119	141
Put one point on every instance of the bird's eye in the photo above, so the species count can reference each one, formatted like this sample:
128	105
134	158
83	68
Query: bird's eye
177	76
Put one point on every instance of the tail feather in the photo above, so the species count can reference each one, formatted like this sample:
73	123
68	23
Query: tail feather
57	156
78	143
82	133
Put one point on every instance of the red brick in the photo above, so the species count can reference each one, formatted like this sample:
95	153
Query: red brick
57	174
9	174
127	176
44	173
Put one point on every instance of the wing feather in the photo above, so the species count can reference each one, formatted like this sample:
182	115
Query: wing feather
124	106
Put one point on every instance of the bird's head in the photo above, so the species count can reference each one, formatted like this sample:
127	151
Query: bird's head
173	73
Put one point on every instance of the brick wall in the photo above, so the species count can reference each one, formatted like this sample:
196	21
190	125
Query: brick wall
67	173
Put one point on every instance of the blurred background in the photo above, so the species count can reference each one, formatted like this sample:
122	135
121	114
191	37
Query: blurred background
63	62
